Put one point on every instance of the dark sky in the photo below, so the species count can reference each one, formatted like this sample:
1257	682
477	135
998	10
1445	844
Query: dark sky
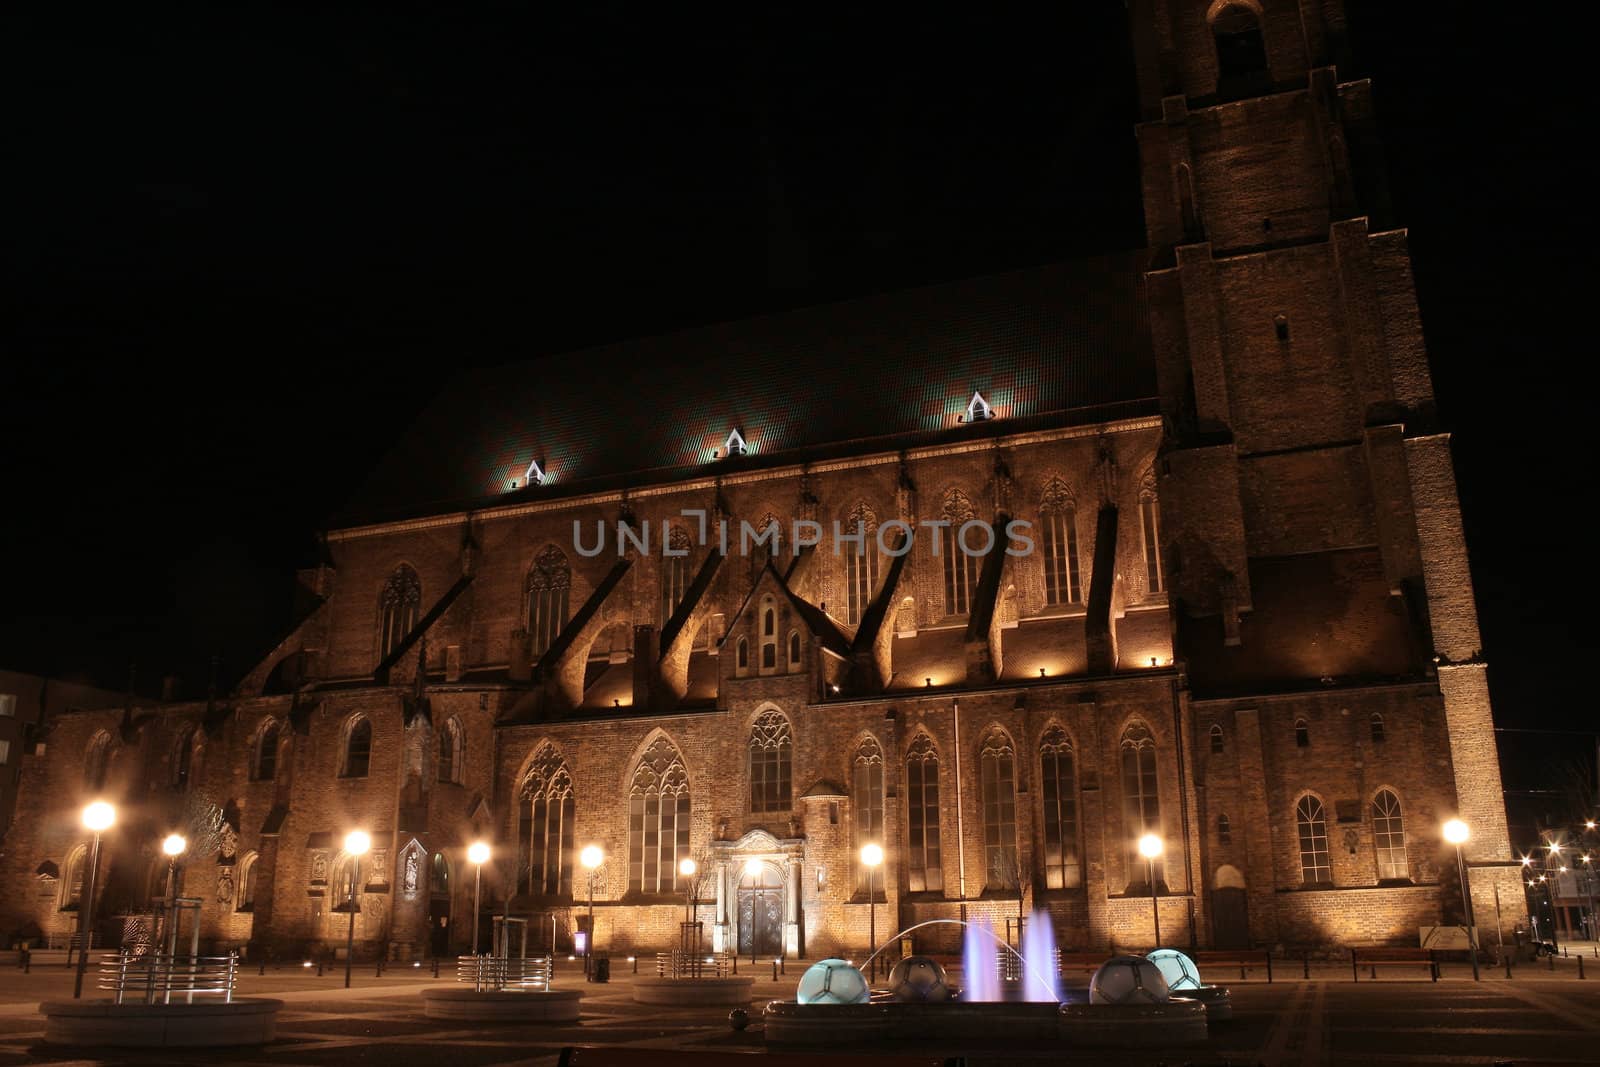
244	246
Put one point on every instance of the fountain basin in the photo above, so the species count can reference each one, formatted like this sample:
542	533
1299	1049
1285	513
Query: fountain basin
1216	998
789	1023
1175	1022
693	992
512	1006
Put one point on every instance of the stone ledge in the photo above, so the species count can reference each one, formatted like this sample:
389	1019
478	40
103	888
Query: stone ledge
203	1025
694	991
516	1006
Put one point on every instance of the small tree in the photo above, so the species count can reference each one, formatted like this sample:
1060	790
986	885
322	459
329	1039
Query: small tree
1009	870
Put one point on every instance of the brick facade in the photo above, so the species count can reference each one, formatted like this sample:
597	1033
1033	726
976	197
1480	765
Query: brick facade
1308	582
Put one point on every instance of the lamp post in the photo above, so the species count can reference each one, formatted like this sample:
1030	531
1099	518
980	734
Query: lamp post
97	818
687	869
591	857
356	843
1151	846
872	857
478	853
174	845
1455	832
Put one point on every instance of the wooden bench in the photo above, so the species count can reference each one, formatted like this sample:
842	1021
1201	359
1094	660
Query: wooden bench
1085	963
1244	959
591	1056
1373	958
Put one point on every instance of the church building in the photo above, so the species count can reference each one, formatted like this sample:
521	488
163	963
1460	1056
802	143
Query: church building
1001	576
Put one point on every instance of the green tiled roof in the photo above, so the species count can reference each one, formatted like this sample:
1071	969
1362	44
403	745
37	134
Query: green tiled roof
1040	344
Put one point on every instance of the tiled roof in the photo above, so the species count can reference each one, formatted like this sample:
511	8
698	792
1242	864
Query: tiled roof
1038	343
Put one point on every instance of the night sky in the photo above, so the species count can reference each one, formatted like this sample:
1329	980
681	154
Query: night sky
243	247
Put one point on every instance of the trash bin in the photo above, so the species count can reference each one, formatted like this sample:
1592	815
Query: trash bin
602	969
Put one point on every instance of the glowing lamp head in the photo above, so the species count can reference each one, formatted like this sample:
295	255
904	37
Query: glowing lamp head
1555	847
1589	825
1150	846
1455	832
687	867
99	816
357	842
478	853
1527	861
753	867
871	855
591	856
174	845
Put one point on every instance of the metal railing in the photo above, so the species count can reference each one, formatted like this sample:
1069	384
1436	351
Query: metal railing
71	941
693	964
155	977
1011	967
493	974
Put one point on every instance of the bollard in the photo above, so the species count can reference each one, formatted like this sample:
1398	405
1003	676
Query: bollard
1552	958
436	966
263	968
1580	967
1508	966
636	965
319	966
1563	951
1305	969
378	971
783	965
775	970
735	963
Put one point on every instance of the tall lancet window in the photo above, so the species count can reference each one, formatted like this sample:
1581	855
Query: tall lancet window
1141	798
997	780
1058	543
866	796
402	594
1058	789
1150	532
860	562
658	819
960	569
549	587
771	749
923	865
674	571
545	843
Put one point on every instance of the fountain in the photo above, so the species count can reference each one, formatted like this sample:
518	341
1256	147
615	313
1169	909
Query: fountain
1032	1011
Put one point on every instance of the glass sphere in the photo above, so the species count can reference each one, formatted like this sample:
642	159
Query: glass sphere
1128	980
832	982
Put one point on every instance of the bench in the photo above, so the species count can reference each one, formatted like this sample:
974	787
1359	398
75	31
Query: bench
1244	959
1082	962
590	1056
1373	958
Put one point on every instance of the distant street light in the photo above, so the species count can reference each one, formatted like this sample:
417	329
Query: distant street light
97	818
356	843
687	868
1455	832
872	856
478	853
174	845
1151	846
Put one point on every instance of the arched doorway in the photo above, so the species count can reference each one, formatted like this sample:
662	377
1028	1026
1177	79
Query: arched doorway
760	900
1230	909
439	905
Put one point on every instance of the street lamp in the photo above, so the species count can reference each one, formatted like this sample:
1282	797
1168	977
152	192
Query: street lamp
97	819
478	853
1455	832
591	857
872	857
174	845
1151	846
687	868
356	843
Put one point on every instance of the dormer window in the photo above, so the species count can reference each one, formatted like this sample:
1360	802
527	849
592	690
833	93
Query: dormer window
978	409
734	445
535	474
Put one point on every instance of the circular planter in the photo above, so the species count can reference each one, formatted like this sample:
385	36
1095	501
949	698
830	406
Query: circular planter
693	992
789	1023
205	1025
532	1006
975	1024
1177	1022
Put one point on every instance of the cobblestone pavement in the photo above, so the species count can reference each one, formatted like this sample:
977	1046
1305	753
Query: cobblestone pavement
1540	1017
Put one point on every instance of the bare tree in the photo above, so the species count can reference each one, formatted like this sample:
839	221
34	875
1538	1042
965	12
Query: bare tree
1009	870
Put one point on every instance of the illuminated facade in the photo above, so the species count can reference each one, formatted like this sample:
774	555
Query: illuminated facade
1241	620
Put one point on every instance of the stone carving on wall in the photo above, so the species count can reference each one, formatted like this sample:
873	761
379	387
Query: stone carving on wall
225	886
319	868
410	880
230	843
378	869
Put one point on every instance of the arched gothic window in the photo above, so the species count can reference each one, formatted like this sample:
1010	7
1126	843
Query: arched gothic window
769	635
1302	734
549	589
1315	866
183	758
245	900
265	766
1389	835
402	595
452	751
923	869
96	759
1376	724
860	562
794	651
1150	534
1058	542
960	569
1241	52
770	751
357	748
545	840
1224	830
1141	798
72	880
866	793
1216	740
997	780
658	819
674	571
742	657
1058	789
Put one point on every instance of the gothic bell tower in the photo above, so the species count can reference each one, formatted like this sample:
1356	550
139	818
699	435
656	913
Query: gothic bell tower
1307	491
